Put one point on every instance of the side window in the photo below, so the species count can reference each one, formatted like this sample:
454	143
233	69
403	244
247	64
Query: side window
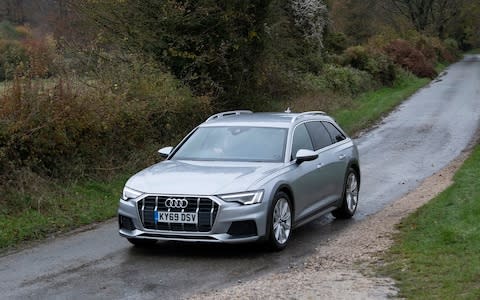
334	132
301	140
320	136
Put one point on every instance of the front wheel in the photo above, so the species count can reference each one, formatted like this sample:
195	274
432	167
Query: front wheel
280	226
350	197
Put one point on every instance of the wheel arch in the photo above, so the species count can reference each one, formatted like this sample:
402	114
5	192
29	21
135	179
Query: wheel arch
356	166
288	190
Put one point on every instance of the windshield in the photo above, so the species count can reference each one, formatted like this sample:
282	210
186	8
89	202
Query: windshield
236	143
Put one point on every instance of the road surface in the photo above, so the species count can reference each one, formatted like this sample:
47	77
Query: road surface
423	135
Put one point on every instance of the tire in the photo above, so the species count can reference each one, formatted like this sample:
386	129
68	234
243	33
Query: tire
141	243
350	196
280	222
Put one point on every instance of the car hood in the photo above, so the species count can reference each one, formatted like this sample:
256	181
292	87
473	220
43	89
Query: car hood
200	178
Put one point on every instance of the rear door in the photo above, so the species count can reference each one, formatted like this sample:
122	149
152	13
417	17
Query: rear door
340	153
327	171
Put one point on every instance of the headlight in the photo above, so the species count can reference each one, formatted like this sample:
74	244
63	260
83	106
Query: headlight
128	194
244	198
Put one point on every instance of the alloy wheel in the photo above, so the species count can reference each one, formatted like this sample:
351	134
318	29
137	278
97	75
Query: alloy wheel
282	221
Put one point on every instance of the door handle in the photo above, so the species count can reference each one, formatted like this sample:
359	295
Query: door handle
319	165
341	156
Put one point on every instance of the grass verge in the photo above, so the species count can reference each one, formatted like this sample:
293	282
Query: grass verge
86	202
435	255
371	106
63	208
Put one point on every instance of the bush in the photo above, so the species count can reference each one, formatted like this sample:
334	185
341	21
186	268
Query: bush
451	50
41	57
342	80
377	64
73	127
335	42
409	58
10	32
12	54
436	50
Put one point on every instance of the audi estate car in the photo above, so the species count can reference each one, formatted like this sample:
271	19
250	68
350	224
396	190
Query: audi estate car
244	177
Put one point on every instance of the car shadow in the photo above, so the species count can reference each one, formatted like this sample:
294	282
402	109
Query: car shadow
304	240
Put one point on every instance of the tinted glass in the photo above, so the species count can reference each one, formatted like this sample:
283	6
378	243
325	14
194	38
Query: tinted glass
334	132
320	136
234	144
301	140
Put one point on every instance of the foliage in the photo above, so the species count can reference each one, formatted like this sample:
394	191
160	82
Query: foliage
311	17
335	42
210	45
9	32
405	55
12	54
342	80
377	64
218	48
68	128
435	253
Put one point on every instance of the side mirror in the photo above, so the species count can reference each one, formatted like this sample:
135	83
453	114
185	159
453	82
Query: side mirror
305	155
165	152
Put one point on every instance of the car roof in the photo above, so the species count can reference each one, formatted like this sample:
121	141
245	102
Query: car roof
263	119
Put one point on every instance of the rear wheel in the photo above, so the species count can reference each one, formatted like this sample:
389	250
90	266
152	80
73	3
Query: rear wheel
280	226
350	196
141	242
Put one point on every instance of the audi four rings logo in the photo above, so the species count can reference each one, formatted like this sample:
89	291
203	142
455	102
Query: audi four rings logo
176	203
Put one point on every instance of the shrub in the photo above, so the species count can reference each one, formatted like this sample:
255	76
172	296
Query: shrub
375	63
12	54
451	50
436	50
72	127
426	46
409	58
343	80
41	57
336	42
10	32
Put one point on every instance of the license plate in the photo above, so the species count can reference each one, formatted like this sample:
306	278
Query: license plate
175	217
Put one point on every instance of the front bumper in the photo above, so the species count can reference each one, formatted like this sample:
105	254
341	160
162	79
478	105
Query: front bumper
227	227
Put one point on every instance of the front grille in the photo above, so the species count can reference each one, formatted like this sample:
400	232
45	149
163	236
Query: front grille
204	207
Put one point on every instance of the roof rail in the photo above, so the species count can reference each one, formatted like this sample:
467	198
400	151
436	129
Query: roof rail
306	114
228	113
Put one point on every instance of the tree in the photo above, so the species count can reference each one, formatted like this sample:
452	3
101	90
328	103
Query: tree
12	10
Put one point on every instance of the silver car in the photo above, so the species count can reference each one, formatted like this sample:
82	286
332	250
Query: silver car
243	177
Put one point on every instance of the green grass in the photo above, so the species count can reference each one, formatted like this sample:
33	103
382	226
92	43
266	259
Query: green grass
437	253
63	209
371	106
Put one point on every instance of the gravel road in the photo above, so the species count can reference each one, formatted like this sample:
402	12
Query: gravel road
325	257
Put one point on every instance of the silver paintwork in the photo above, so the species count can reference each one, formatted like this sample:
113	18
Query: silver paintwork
316	186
